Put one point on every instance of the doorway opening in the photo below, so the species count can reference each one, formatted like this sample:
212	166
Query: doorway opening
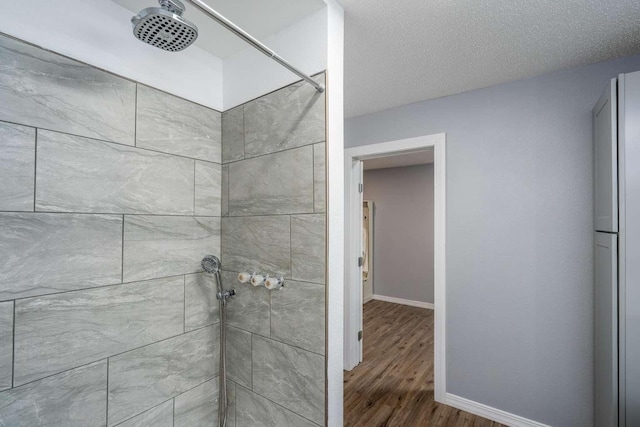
383	337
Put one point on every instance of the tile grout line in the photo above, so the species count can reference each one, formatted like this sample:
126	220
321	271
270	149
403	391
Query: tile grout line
122	254
184	303
13	349
105	141
169	215
35	168
103	286
194	187
107	405
173	412
135	118
115	355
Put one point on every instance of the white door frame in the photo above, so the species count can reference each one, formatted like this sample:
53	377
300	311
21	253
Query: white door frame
353	216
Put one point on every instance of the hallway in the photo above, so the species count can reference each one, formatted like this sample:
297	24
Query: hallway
393	386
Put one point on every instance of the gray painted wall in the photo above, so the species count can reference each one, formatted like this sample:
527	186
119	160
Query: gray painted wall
403	231
274	222
519	236
109	199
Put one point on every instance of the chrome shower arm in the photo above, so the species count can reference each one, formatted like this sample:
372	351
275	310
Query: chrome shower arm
213	14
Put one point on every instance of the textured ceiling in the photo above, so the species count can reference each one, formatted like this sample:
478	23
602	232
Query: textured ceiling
401	160
258	17
403	51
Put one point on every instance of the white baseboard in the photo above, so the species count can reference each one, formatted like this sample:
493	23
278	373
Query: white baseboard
367	299
490	413
420	304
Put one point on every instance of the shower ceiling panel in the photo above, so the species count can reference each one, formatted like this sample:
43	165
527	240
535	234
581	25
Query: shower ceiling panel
258	17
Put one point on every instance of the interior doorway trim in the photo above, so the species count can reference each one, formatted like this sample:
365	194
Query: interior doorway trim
353	208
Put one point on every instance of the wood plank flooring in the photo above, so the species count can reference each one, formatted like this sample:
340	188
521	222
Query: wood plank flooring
393	386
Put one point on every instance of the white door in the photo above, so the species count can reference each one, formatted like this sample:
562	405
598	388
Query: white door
605	151
606	330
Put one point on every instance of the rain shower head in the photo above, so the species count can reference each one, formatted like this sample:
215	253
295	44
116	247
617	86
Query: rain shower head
164	27
211	264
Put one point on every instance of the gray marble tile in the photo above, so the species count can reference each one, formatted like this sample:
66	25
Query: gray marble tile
239	356
77	174
208	188
159	416
174	125
6	344
57	332
260	243
72	398
200	305
256	411
45	90
17	167
233	135
160	246
297	315
225	190
289	376
198	406
249	308
279	183
308	247
47	253
145	377
319	178
290	117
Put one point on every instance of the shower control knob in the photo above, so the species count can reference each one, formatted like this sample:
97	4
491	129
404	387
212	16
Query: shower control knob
274	283
244	277
258	279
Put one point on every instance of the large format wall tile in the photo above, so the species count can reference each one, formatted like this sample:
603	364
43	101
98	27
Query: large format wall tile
46	253
198	406
279	183
174	125
259	242
319	178
82	175
6	344
290	377
208	188
233	135
17	167
297	315
200	305
256	411
57	332
290	117
249	308
308	247
159	416
160	246
72	398
41	89
145	377
239	356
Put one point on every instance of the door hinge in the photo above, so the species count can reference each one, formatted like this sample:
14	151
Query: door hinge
359	335
360	261
360	188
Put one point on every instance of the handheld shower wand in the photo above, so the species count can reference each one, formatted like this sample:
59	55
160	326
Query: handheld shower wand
211	264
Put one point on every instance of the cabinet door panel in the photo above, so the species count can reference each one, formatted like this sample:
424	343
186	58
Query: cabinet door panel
605	152
606	330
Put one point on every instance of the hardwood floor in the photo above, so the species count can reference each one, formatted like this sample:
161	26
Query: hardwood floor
393	386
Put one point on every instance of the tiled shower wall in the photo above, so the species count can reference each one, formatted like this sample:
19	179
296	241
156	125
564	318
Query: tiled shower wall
273	207
110	195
